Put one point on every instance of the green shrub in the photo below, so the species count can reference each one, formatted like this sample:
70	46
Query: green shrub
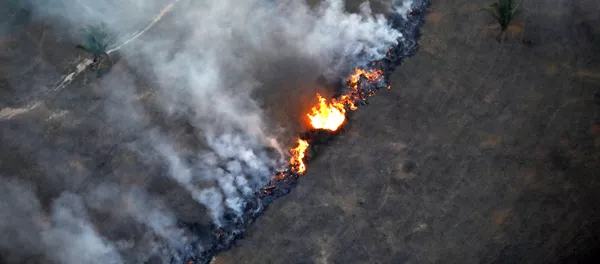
97	39
504	12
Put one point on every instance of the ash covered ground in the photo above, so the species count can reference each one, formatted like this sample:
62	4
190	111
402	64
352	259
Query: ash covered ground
478	153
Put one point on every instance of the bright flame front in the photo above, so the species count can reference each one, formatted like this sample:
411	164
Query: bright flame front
331	115
297	159
327	115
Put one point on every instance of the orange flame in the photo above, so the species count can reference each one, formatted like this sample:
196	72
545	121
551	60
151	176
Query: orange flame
326	115
297	159
331	115
346	100
373	75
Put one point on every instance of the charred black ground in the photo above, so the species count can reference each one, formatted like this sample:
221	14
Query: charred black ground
223	237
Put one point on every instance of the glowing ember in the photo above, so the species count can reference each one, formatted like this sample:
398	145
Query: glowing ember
326	115
297	159
371	75
347	100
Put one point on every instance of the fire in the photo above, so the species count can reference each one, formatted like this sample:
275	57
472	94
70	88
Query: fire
331	114
327	115
297	159
347	100
372	75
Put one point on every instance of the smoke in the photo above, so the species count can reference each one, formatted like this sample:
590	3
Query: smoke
218	54
188	100
65	236
19	207
402	7
72	237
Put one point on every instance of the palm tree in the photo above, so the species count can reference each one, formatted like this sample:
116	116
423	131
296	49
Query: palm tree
504	12
97	41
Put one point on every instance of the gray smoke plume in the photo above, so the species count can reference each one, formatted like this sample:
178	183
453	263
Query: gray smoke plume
187	101
19	207
72	238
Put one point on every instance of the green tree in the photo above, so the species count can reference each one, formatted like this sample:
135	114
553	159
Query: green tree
504	12
97	39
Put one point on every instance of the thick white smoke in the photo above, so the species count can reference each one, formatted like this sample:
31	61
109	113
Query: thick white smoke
218	61
402	7
207	64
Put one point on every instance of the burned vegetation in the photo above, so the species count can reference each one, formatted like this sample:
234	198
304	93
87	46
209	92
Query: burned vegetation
327	119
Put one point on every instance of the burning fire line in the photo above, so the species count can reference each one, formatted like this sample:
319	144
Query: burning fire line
331	115
326	119
297	159
328	116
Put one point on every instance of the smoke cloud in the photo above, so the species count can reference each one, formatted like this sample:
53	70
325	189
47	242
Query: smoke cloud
183	134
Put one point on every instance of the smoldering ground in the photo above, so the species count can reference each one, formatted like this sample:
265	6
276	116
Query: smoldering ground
183	129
